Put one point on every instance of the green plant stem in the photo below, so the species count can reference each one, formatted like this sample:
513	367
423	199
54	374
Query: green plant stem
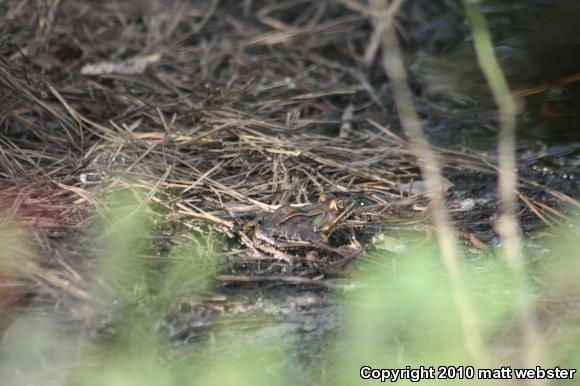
431	171
507	224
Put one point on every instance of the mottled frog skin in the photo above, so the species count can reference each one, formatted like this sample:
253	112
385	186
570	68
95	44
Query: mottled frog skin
288	227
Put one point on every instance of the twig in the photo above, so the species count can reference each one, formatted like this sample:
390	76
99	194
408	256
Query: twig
507	224
431	170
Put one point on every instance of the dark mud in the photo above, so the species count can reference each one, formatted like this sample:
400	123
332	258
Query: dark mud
221	110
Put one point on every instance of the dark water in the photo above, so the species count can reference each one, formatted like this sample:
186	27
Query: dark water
535	41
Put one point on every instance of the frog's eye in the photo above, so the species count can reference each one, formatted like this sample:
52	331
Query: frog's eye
340	205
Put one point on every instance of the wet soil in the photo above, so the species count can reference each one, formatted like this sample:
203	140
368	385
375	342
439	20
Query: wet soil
233	110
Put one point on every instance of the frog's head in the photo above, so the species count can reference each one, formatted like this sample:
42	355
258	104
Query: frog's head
338	210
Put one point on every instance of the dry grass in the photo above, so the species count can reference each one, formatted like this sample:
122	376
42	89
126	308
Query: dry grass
214	111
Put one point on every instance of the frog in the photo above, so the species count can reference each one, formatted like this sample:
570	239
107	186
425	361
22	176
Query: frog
290	227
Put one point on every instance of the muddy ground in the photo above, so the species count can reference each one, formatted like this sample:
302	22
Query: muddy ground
219	110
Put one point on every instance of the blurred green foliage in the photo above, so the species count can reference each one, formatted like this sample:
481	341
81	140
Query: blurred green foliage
401	314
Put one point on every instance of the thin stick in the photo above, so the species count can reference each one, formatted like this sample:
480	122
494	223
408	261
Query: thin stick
431	170
507	225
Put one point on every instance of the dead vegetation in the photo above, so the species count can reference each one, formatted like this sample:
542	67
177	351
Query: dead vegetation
217	109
